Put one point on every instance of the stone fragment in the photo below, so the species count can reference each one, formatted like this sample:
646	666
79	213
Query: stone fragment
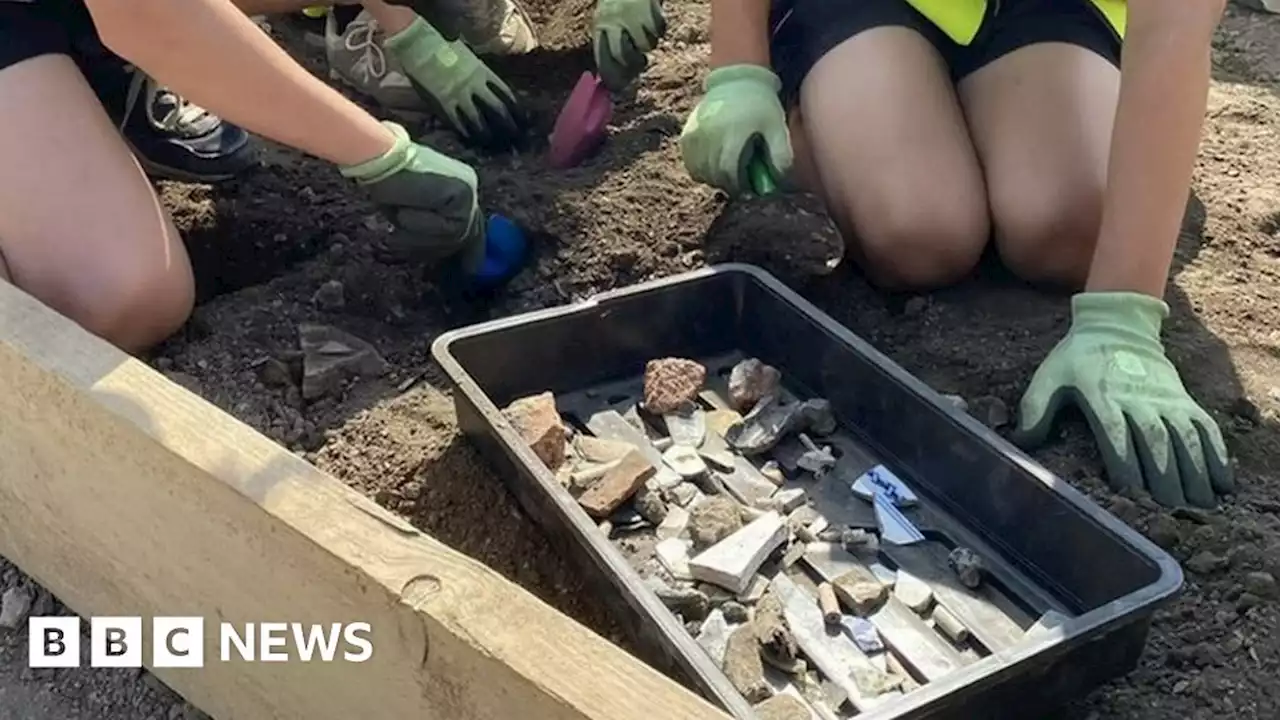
15	606
861	590
674	524
275	373
831	612
732	562
874	682
746	483
913	592
713	636
684	494
689	603
857	541
750	381
949	624
967	566
718	422
777	643
670	383
600	450
774	473
331	356
1206	562
863	633
537	421
587	474
1262	584
811	532
816	416
743	667
785	501
713	520
990	411
611	425
685	461
816	460
673	555
772	420
755	590
782	707
330	296
721	458
650	505
617	486
734	612
794	552
687	426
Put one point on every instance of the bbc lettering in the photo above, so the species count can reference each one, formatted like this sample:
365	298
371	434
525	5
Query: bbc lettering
179	642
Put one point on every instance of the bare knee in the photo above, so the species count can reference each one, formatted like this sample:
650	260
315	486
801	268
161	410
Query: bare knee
139	310
1046	232
921	242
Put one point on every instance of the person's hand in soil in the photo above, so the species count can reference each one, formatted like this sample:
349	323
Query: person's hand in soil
430	198
739	116
458	86
623	33
1150	431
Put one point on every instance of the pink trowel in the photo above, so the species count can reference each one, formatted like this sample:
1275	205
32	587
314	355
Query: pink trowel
580	127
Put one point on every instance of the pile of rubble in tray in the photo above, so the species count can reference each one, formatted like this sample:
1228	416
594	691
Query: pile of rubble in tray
685	484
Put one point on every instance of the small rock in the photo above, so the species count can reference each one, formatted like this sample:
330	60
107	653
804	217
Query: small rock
817	460
15	605
990	411
650	505
617	486
670	383
1164	531
863	634
773	473
673	555
537	421
816	416
967	566
718	422
687	426
675	523
913	592
713	521
586	475
1207	563
1125	509
275	373
958	402
860	590
331	296
600	450
1247	602
743	667
713	636
874	682
691	604
859	542
785	501
734	612
684	494
750	381
330	356
1262	584
685	461
782	707
794	552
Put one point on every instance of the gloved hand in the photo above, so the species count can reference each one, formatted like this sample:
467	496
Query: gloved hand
739	116
430	198
1112	366
460	88
622	33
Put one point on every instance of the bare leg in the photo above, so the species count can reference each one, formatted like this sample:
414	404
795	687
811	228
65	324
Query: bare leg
1041	118
884	133
80	227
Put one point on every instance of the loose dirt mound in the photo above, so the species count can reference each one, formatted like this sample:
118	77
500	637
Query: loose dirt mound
631	214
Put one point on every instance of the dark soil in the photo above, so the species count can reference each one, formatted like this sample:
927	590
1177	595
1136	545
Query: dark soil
266	243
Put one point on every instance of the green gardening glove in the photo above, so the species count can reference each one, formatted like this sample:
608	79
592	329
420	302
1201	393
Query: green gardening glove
1151	433
460	88
430	198
622	33
738	119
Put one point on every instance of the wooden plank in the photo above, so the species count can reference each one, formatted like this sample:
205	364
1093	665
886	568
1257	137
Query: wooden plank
124	494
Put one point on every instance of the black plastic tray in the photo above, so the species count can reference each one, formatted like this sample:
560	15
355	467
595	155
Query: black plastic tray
1060	549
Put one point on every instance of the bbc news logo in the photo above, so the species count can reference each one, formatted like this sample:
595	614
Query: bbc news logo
179	642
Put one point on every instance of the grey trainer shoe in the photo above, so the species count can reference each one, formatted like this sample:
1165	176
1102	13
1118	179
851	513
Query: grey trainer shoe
357	59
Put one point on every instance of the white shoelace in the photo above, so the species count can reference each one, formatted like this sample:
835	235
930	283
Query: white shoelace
183	112
361	37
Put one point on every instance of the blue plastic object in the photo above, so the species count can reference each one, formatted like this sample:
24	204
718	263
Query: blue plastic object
505	251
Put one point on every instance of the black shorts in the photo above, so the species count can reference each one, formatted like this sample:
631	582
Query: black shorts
30	28
806	30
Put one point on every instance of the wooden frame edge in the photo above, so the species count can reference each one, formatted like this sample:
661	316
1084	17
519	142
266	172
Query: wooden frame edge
125	494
